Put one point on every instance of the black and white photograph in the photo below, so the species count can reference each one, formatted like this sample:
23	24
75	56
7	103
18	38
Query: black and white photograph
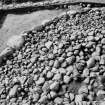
52	52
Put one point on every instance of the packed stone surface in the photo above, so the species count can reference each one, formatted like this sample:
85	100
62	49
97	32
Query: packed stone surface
62	63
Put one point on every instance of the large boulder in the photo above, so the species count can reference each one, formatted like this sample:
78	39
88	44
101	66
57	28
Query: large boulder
6	52
16	42
45	21
71	12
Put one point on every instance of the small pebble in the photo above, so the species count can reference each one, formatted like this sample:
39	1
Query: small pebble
56	64
49	75
48	44
40	81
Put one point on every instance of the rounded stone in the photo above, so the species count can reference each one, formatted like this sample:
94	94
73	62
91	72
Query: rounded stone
54	86
49	75
66	79
40	81
53	94
79	98
58	101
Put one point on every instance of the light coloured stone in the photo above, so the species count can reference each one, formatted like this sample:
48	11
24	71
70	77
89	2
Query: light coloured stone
13	91
40	81
45	21
102	103
53	94
16	42
71	96
43	99
100	92
72	12
7	51
83	89
66	79
48	44
54	86
58	100
78	98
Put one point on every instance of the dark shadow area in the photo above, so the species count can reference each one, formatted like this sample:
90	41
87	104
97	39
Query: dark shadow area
2	18
20	1
30	9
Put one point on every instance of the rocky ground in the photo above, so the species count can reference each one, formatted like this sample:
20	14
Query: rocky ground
61	63
14	24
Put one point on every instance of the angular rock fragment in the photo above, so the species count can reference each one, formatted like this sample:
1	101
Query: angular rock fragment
66	79
43	99
103	41
40	81
71	60
54	86
71	96
102	103
72	12
78	98
6	52
91	62
48	44
53	94
13	91
58	100
56	64
83	89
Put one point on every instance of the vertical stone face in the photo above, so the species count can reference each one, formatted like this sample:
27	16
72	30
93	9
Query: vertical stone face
16	42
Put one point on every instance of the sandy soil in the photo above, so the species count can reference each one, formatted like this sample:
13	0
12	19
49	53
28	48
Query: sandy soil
15	24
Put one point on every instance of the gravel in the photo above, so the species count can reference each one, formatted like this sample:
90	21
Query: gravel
61	63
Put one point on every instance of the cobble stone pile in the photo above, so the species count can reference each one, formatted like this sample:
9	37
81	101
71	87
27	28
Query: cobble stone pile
61	63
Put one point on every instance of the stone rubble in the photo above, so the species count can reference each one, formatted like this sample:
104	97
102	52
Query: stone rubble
61	63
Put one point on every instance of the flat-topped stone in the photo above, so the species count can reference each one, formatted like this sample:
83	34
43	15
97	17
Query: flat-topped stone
71	12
